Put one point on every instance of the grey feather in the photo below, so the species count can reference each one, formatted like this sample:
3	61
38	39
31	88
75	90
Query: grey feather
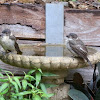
77	47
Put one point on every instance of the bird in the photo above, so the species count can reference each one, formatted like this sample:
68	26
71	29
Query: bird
77	47
8	42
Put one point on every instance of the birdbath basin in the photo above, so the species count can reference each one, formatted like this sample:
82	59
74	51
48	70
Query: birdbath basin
35	57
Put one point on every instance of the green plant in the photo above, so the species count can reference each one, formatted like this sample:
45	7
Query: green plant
82	91
28	87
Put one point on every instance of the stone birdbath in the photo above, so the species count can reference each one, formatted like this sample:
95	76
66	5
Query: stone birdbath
58	65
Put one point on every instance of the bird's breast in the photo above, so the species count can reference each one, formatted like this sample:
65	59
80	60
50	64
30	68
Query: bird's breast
7	43
70	49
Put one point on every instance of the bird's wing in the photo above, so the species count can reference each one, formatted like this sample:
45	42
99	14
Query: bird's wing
82	45
79	48
12	37
17	48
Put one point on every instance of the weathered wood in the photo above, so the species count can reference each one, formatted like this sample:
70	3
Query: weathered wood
24	32
27	20
24	20
23	14
87	74
85	23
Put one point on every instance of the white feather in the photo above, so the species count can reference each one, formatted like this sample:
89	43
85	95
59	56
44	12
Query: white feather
7	43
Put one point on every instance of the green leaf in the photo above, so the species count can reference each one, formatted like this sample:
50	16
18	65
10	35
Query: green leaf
48	74
43	88
13	98
31	72
39	91
37	97
2	98
17	81
30	85
4	92
45	98
4	86
10	79
29	78
24	99
50	95
50	85
24	84
82	89
77	95
22	93
1	75
47	95
3	80
40	70
15	85
8	72
73	0
38	78
1	69
21	98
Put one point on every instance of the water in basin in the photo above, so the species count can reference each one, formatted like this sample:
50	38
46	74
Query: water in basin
49	50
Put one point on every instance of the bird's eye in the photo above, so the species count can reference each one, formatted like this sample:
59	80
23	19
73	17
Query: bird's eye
67	36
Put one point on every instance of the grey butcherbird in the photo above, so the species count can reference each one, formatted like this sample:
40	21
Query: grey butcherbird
8	42
77	47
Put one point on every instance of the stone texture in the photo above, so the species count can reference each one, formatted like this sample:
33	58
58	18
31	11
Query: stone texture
61	92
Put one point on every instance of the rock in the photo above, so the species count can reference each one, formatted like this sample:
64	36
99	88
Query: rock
60	92
26	1
73	4
40	2
83	6
96	5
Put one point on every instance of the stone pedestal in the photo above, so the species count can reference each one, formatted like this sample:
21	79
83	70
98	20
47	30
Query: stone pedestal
61	92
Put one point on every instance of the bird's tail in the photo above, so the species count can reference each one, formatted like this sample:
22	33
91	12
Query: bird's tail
19	52
18	49
89	62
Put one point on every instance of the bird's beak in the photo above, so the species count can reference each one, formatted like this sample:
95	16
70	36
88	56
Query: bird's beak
67	36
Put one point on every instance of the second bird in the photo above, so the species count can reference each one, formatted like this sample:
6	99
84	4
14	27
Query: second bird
77	47
8	42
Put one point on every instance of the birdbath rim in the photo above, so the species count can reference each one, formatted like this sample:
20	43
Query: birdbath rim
49	63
